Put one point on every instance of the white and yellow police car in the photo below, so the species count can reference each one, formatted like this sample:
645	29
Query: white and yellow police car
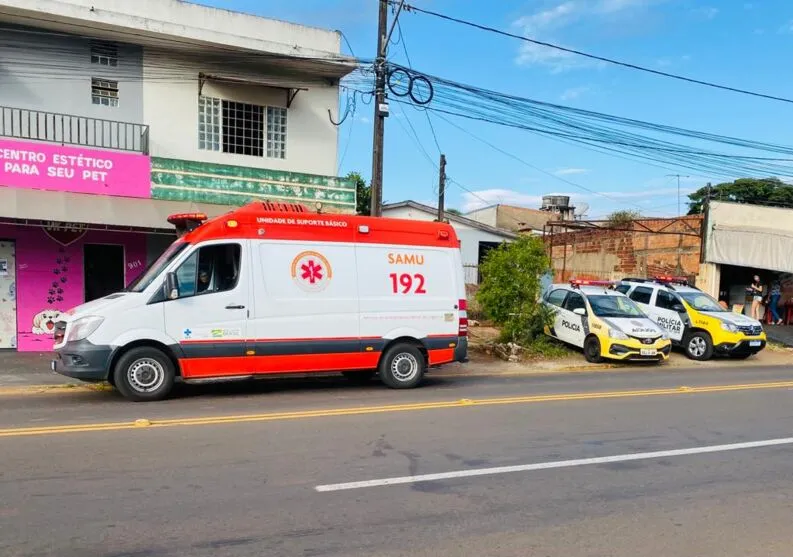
694	320
605	323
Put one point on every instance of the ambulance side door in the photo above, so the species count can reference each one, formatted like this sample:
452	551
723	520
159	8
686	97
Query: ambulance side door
669	312
573	325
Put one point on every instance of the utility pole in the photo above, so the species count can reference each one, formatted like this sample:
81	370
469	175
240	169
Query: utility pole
678	176
380	104
441	187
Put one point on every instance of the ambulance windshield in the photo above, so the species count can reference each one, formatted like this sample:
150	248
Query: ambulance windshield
614	306
147	277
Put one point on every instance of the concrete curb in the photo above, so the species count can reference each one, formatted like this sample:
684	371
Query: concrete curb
53	389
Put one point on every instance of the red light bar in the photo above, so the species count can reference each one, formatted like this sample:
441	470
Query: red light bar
676	280
180	218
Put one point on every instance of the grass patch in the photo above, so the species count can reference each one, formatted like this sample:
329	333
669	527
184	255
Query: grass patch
546	348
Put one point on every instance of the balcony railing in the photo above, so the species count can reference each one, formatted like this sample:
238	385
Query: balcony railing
68	129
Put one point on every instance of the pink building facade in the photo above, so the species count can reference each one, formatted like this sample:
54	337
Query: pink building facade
48	267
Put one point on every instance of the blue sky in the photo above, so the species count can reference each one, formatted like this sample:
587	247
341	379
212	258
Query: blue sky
734	42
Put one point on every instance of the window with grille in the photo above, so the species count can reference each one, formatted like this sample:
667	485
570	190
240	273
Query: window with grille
209	123
104	91
276	132
243	126
104	53
239	128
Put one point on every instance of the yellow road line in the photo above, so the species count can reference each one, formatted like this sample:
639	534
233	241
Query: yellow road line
334	412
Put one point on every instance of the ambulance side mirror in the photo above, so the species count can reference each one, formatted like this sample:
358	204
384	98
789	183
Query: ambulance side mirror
579	311
678	308
171	286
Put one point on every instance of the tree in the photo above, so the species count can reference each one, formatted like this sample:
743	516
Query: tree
622	218
363	193
453	212
510	288
744	190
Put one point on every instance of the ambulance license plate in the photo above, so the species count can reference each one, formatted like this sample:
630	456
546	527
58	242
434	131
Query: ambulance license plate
755	343
649	352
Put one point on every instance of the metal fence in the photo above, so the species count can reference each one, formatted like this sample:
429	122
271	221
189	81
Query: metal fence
471	274
68	129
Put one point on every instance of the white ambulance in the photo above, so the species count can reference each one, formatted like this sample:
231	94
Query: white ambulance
273	289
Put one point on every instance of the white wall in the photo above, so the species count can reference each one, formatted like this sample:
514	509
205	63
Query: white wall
187	21
468	235
170	104
486	215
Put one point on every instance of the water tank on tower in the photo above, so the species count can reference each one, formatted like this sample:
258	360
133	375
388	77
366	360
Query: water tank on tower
558	204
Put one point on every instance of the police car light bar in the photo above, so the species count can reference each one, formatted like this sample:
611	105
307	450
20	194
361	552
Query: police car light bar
586	282
674	280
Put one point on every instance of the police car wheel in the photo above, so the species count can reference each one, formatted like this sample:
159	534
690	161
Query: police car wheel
699	346
144	374
402	367
592	350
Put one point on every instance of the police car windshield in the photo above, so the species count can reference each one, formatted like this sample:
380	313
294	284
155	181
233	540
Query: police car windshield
701	301
614	306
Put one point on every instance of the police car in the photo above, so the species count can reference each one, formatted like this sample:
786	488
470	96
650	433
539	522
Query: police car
694	320
605	323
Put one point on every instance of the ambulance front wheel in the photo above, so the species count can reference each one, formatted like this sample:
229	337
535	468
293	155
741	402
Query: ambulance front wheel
402	366
592	350
144	374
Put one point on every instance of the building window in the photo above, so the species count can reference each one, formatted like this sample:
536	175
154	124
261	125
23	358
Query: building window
276	132
242	129
239	128
104	53
209	123
104	91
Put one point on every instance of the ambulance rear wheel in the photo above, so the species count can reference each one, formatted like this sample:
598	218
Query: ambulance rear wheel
699	346
402	366
144	374
592	350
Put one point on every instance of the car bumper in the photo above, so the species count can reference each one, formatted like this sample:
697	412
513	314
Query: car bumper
83	360
623	352
748	346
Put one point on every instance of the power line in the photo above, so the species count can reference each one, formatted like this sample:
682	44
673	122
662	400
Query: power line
410	65
411	8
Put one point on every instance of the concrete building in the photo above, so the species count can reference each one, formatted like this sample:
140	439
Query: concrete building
744	240
476	238
114	114
513	218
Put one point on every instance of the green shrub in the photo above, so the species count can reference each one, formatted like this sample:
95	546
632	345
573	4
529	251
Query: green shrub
511	287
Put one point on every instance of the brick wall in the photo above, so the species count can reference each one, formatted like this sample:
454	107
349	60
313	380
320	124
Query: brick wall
613	254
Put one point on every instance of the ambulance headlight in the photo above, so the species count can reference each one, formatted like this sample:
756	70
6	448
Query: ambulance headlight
84	327
729	327
616	334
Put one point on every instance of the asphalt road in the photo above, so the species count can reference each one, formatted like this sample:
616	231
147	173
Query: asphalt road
265	470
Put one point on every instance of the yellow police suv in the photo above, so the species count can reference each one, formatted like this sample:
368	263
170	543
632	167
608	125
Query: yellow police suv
694	320
605	323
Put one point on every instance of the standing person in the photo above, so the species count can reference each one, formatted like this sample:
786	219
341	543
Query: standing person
756	291
773	301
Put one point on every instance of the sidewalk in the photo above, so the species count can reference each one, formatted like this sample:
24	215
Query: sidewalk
29	368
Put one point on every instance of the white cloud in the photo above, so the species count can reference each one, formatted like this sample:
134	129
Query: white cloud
483	198
571	171
574	93
543	24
